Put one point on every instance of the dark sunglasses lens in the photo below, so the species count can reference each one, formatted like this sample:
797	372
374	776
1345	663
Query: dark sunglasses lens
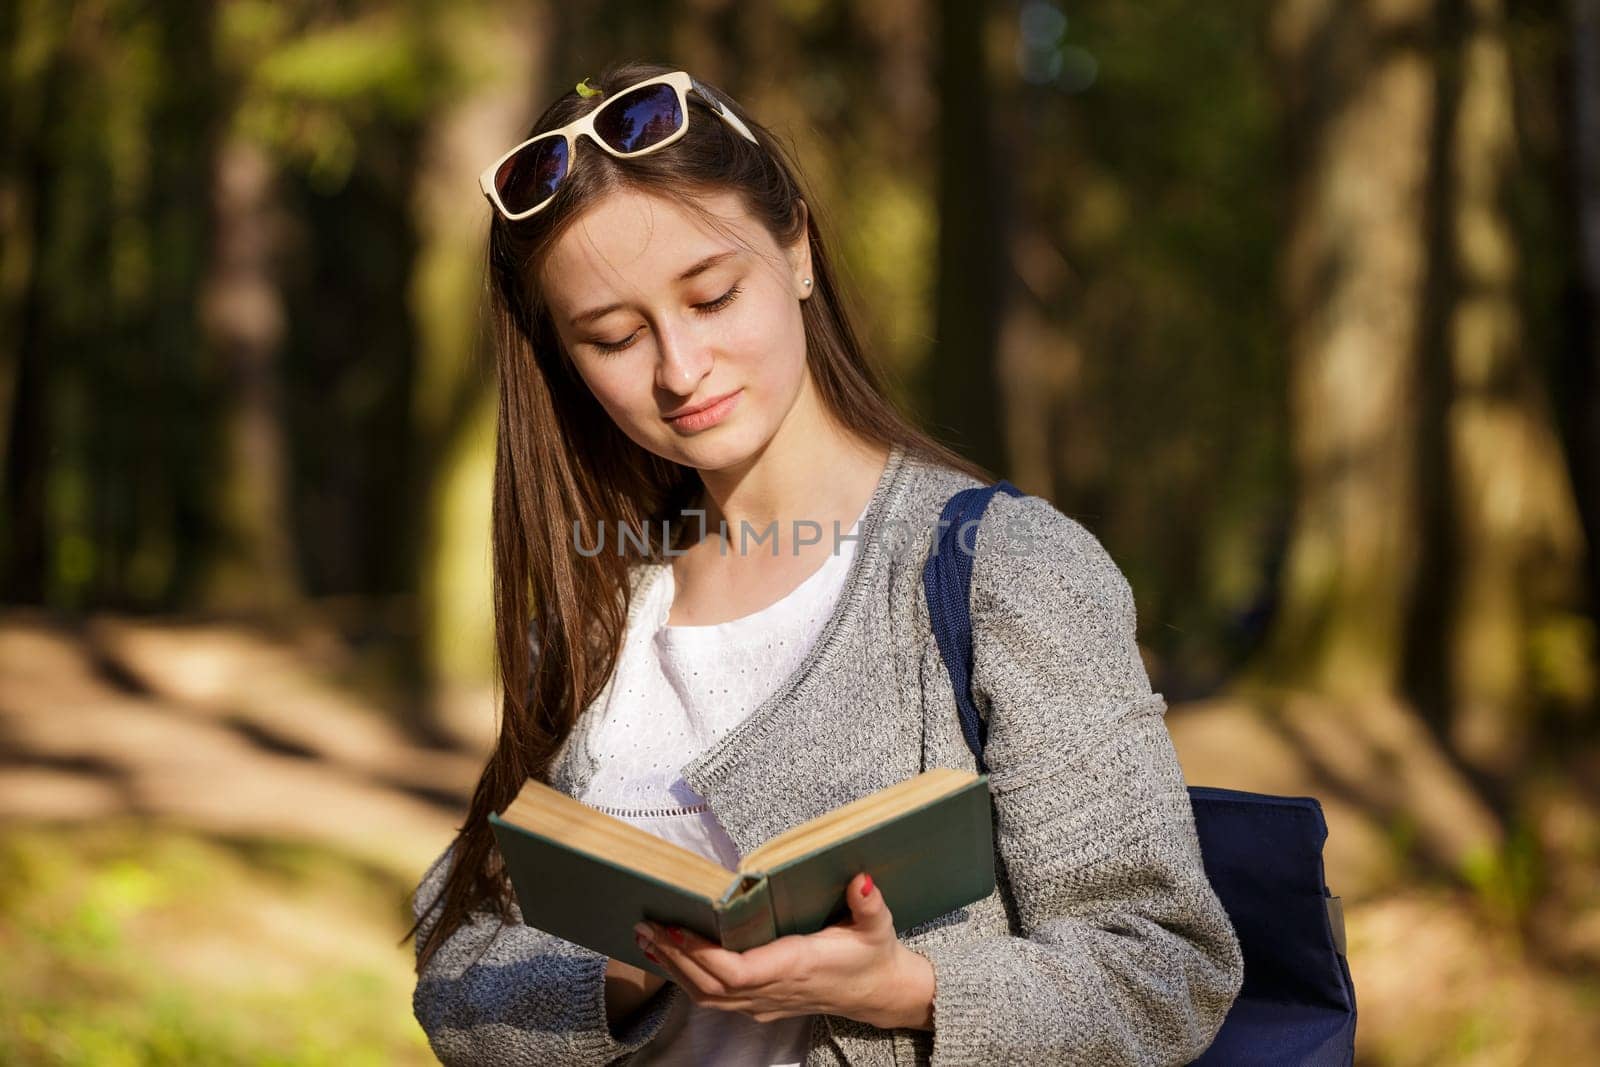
529	177
637	120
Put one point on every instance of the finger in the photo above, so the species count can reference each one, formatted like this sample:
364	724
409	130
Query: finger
695	983
776	964
706	965
868	909
654	954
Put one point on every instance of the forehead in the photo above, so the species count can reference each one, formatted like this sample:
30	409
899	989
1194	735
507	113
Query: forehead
636	241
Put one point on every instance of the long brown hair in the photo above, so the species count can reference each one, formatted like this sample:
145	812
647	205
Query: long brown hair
561	464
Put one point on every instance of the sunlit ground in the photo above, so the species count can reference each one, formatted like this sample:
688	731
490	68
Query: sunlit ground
208	847
208	842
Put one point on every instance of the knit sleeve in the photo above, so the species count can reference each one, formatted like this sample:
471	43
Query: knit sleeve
507	993
504	994
1125	954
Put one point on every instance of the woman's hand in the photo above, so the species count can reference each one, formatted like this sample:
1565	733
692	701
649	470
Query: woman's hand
856	968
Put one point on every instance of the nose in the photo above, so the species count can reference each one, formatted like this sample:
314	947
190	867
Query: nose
682	363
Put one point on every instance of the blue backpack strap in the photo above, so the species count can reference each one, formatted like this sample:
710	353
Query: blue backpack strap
947	581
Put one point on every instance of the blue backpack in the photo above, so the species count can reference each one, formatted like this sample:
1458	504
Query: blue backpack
1263	855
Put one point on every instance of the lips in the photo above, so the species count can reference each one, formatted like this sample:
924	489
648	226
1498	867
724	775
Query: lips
704	416
713	402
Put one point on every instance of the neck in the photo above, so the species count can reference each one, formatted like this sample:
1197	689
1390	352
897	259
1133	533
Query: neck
812	469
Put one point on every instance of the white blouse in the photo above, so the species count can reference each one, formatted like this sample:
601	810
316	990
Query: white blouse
676	691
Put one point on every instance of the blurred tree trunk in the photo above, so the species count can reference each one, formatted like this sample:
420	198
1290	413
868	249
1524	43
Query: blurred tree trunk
254	567
1359	86
1049	446
453	401
1586	164
961	375
32	152
174	449
1518	546
19	136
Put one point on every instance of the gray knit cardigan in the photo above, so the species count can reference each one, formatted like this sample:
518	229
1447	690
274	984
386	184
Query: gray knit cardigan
1103	942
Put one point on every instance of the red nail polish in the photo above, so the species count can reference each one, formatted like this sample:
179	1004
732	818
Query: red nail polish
866	885
676	934
651	956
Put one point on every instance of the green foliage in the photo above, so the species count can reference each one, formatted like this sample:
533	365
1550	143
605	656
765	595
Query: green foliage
313	91
1508	879
127	944
1402	833
377	59
1563	651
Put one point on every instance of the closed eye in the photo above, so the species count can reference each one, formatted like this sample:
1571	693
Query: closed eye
720	302
711	307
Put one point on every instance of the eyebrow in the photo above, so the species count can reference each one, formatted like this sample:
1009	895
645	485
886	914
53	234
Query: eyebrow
699	268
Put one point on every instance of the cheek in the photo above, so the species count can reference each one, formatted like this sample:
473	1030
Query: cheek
771	344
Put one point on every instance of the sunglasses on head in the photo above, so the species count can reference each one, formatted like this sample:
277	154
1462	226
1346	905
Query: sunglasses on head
644	117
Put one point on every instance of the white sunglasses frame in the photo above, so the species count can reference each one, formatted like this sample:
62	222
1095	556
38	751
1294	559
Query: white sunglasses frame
680	80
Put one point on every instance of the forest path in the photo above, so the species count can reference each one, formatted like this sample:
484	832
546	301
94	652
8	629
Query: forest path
215	728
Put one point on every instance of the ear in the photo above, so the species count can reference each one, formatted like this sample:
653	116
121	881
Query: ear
799	254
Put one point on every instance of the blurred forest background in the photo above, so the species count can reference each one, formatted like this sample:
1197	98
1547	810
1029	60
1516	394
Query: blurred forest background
1292	302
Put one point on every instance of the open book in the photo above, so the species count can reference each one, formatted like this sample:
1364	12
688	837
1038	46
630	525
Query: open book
588	877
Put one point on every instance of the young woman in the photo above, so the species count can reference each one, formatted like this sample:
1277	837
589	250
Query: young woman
675	362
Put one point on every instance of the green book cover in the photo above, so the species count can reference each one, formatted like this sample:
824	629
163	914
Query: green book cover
587	877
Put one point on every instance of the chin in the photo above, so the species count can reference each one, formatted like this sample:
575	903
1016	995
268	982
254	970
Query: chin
719	448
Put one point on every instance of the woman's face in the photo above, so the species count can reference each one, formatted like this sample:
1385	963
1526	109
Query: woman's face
662	314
